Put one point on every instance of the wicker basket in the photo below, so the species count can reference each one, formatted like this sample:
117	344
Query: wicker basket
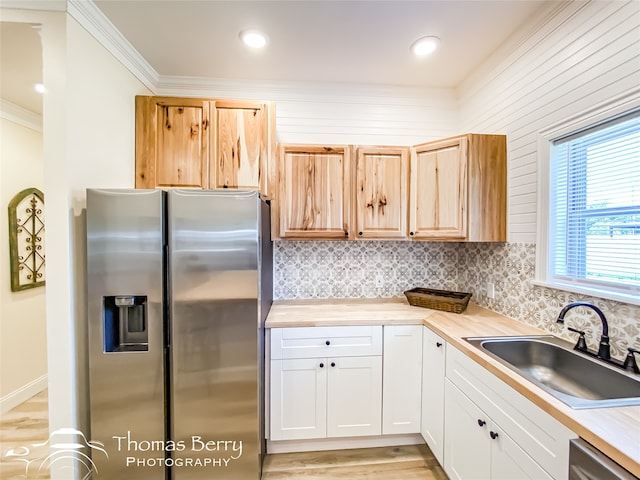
444	300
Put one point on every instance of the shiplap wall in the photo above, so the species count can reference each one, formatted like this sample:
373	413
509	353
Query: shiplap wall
584	55
579	55
339	113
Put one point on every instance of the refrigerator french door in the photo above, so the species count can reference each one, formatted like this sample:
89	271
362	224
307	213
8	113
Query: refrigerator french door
179	285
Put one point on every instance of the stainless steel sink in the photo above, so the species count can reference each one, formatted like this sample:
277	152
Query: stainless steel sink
573	377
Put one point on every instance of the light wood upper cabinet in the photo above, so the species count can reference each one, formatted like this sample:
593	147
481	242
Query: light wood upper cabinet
240	131
453	189
458	189
438	190
380	200
487	188
204	143
172	142
314	191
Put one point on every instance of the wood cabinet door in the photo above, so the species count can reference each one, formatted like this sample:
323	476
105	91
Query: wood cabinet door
381	192
487	188
438	199
354	396
172	142
467	445
298	399
313	197
433	375
402	379
240	135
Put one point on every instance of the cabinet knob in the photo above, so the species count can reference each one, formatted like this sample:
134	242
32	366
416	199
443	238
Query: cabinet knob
346	234
481	422
333	364
411	234
327	342
438	344
493	435
360	233
321	365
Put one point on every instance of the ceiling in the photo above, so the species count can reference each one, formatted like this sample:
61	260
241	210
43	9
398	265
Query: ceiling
365	41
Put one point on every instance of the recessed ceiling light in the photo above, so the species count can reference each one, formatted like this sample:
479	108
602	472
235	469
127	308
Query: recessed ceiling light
39	88
253	38
424	46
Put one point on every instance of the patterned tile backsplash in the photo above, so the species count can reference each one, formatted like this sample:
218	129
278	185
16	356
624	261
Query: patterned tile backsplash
313	269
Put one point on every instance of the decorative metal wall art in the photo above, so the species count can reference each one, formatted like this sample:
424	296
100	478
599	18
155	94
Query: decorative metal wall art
26	239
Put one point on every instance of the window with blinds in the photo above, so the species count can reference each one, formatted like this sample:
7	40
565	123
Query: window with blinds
594	211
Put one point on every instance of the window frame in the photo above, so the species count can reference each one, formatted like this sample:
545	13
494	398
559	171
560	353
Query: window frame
599	114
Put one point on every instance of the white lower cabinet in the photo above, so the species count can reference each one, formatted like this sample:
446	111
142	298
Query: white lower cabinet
493	432
298	399
354	396
330	396
337	382
433	375
477	448
402	374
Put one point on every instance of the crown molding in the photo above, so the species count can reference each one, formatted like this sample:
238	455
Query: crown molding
100	27
186	86
16	114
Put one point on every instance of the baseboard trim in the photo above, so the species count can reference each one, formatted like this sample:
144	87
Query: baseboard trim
320	444
24	393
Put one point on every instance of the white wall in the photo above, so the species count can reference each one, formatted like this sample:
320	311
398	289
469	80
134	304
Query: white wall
23	347
88	138
586	54
100	153
100	133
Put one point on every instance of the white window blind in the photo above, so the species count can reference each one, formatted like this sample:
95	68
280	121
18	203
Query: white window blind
595	206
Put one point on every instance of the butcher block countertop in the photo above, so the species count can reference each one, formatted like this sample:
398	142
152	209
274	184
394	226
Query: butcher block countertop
344	312
615	431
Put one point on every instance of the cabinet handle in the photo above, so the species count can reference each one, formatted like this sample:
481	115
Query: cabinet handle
327	342
321	365
438	344
481	422
493	435
333	364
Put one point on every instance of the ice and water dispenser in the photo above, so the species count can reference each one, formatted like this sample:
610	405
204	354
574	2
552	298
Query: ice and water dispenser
125	323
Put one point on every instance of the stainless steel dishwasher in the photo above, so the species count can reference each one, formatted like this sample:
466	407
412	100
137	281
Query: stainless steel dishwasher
588	463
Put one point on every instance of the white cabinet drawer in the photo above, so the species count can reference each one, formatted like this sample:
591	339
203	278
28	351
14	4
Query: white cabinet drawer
316	342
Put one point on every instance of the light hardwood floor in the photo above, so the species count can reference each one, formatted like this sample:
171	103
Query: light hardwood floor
21	427
412	462
28	424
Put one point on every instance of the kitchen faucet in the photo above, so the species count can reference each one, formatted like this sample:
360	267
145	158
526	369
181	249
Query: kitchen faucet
604	349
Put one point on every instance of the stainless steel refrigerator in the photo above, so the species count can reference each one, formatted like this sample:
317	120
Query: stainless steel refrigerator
179	285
